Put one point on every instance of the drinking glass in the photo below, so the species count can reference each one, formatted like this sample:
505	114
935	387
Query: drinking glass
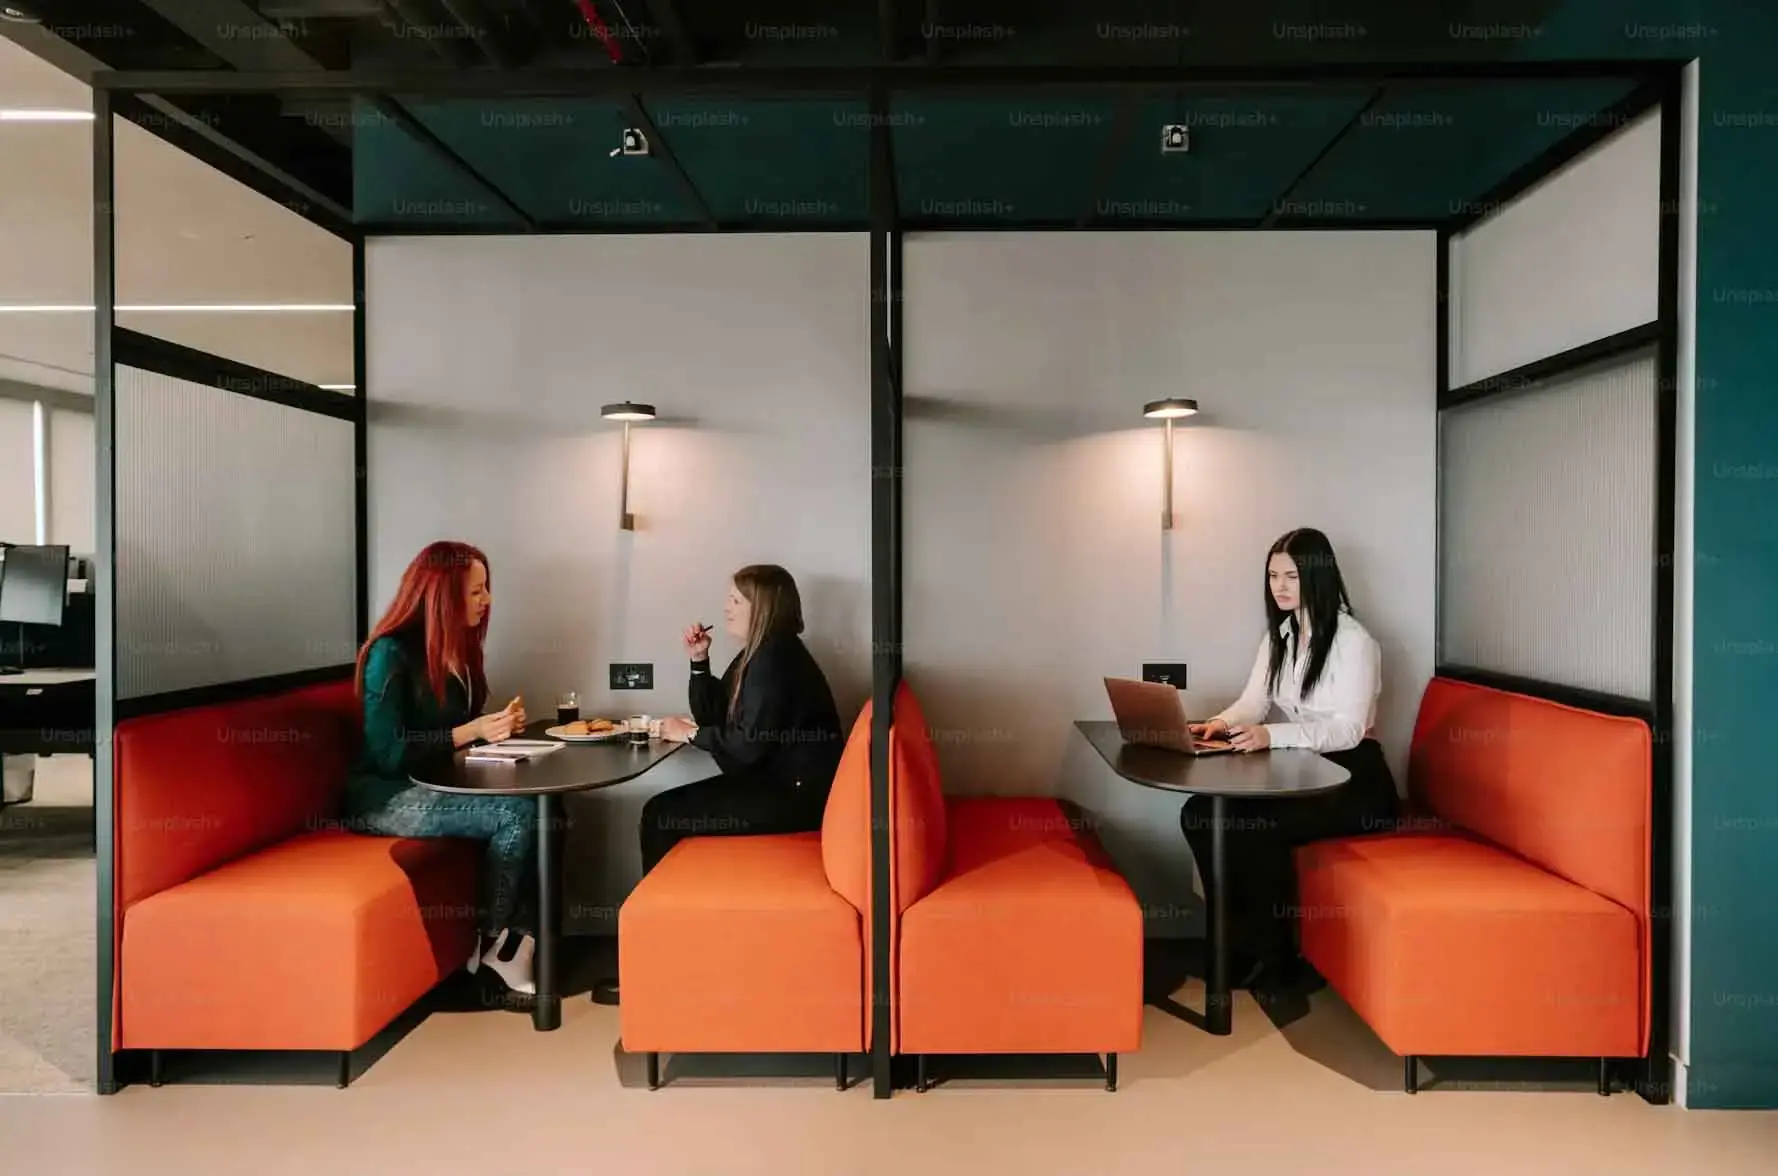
567	707
639	729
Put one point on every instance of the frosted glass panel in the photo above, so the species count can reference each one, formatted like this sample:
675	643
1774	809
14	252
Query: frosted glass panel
71	455
235	537
18	473
1546	530
1577	258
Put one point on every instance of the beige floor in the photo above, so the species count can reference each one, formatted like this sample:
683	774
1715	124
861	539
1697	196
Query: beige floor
481	1093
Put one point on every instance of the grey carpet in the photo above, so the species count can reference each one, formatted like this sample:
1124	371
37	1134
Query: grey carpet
48	953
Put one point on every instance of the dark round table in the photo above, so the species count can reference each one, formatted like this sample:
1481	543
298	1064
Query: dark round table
1282	773
577	767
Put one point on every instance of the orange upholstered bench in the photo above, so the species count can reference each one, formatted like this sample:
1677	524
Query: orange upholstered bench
755	944
246	918
1014	933
1510	915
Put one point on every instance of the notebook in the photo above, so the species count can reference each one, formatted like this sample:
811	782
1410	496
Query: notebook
512	751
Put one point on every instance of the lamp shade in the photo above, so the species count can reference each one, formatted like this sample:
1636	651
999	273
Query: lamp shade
1162	410
627	411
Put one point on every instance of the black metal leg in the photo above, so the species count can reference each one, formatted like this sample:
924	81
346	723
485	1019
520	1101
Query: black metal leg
920	1083
1605	1077
1111	1071
345	1075
1217	1008
654	1070
154	1067
546	1007
1411	1078
839	1071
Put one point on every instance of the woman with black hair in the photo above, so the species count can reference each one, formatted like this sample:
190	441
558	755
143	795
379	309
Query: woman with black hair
1321	671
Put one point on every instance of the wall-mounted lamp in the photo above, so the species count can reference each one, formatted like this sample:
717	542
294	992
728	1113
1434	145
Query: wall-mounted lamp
1168	411
628	413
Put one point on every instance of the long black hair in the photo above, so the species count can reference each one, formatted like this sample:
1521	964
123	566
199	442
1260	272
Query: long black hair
1320	592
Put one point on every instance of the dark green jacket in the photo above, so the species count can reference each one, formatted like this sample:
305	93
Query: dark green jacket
404	723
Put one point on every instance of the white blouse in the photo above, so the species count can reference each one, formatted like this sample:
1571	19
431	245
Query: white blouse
1342	709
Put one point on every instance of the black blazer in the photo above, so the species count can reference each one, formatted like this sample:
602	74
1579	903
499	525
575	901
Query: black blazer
786	727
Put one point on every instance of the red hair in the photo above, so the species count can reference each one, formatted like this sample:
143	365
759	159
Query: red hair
434	592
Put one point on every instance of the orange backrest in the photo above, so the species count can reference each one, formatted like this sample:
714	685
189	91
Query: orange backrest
1568	789
197	788
917	838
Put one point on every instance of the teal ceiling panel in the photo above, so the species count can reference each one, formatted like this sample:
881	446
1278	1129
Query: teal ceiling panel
1241	156
1432	153
988	161
399	181
799	163
561	161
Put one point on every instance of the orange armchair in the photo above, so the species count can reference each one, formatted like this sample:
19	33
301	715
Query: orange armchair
1014	933
755	944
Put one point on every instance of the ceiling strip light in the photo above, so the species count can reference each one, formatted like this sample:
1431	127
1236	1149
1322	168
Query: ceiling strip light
42	116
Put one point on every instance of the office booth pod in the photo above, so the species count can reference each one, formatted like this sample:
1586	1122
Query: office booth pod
929	182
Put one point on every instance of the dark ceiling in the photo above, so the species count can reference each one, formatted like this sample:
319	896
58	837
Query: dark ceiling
1280	150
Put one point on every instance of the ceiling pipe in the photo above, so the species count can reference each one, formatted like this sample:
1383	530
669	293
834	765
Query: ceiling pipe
600	30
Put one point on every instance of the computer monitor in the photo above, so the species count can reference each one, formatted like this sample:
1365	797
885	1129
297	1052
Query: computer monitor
34	585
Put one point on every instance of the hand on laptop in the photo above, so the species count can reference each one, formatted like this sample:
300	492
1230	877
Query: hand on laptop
1250	737
1214	729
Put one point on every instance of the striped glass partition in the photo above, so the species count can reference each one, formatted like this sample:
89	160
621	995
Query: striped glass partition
1547	530
235	536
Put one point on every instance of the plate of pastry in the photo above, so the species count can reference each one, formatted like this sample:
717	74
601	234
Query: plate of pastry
588	731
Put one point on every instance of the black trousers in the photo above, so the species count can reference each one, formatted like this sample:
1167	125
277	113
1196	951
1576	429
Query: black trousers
1261	833
727	806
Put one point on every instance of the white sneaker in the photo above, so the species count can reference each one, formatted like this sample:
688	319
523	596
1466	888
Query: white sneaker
516	972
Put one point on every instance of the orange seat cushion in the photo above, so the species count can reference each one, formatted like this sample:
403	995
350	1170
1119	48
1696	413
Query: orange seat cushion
1032	943
1448	946
739	945
317	942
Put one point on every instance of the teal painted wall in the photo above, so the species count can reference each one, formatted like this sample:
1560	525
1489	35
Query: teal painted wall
1732	1053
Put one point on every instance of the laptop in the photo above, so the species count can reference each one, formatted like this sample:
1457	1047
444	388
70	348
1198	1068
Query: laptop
1149	714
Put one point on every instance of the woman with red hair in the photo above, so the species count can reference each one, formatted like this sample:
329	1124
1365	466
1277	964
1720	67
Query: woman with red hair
422	691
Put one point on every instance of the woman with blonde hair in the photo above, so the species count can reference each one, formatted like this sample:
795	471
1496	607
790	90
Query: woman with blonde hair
769	722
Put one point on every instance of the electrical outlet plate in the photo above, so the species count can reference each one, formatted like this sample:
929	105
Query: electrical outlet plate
1171	673
632	676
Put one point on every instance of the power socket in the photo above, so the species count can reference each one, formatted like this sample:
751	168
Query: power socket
1170	673
632	676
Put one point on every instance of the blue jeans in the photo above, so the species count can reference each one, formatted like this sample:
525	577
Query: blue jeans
507	823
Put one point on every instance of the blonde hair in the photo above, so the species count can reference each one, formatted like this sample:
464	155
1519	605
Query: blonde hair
777	608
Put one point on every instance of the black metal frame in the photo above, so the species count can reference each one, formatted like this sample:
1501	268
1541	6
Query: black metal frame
116	93
105	573
172	700
886	639
148	353
1653	1073
857	81
112	346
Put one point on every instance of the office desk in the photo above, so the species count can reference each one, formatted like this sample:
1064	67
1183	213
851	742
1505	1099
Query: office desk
1274	774
48	712
576	767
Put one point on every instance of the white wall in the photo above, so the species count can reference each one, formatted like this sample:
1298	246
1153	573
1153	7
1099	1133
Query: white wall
1035	562
72	450
18	478
488	360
